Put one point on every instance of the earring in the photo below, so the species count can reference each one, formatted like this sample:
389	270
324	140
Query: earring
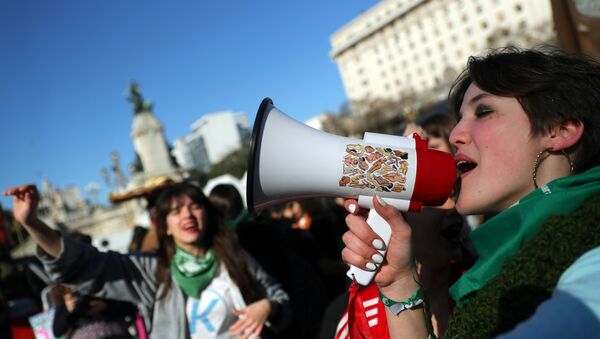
539	159
571	165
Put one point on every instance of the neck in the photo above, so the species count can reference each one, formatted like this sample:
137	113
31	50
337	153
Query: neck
556	166
192	249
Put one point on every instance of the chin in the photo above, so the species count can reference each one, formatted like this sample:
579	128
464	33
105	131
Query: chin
465	207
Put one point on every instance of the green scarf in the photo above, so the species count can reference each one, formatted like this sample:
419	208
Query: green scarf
193	274
501	237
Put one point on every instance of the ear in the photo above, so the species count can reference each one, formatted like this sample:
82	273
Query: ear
565	135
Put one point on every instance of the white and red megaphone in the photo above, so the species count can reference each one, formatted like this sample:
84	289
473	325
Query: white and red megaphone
290	161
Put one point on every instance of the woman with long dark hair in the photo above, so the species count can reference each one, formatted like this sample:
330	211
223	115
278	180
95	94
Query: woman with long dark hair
201	284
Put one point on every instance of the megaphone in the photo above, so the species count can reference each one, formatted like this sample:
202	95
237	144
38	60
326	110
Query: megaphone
291	161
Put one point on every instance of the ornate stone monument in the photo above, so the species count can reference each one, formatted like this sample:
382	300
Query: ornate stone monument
148	137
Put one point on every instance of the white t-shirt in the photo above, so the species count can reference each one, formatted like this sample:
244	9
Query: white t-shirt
210	316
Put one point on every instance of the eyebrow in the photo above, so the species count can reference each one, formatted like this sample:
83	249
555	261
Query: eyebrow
478	97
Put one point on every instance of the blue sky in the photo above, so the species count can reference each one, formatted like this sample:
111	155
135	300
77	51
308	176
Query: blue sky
65	67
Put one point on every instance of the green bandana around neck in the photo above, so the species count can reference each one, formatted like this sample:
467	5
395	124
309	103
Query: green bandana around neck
501	237
192	273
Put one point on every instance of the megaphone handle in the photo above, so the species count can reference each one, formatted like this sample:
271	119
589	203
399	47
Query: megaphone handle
384	231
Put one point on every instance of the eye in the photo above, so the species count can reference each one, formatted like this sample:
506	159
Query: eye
483	110
195	207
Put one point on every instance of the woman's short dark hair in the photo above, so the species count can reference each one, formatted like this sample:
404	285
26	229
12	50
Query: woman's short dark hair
553	87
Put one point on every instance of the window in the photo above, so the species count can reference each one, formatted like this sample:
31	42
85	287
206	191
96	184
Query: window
500	16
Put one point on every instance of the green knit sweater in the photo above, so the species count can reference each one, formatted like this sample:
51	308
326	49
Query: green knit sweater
528	278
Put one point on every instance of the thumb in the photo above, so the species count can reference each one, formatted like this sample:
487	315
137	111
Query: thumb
237	311
388	212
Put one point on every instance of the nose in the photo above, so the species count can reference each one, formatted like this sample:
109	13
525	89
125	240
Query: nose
460	134
186	211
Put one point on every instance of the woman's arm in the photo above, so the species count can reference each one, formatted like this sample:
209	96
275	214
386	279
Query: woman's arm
103	274
396	277
25	202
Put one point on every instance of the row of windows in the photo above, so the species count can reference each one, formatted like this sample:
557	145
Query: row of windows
393	47
464	17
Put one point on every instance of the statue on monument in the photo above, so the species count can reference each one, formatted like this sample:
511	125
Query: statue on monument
135	96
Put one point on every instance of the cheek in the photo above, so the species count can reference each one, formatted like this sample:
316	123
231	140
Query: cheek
505	151
170	225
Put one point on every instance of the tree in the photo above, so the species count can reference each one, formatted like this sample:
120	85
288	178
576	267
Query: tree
234	163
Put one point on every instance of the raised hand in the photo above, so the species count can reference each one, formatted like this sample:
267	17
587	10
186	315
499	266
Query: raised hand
25	202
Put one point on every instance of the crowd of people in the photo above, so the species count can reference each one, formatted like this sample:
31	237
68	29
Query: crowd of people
524	130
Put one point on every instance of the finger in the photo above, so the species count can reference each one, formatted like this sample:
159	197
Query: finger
356	260
12	191
363	231
20	188
256	332
393	217
239	325
249	330
367	256
351	206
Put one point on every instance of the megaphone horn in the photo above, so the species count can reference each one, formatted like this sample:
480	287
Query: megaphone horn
291	161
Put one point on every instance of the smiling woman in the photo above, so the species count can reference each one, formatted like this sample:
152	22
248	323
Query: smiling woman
527	147
201	284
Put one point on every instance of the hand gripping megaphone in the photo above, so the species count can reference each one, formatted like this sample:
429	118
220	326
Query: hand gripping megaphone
290	161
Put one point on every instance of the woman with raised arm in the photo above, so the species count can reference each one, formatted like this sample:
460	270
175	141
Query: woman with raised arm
199	285
527	147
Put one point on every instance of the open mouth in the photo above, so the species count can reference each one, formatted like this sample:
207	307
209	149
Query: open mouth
464	166
190	227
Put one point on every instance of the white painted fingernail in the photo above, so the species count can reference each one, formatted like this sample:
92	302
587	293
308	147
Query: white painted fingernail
377	258
378	244
371	266
352	208
381	202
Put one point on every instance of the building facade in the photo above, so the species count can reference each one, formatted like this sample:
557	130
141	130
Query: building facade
402	48
213	137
